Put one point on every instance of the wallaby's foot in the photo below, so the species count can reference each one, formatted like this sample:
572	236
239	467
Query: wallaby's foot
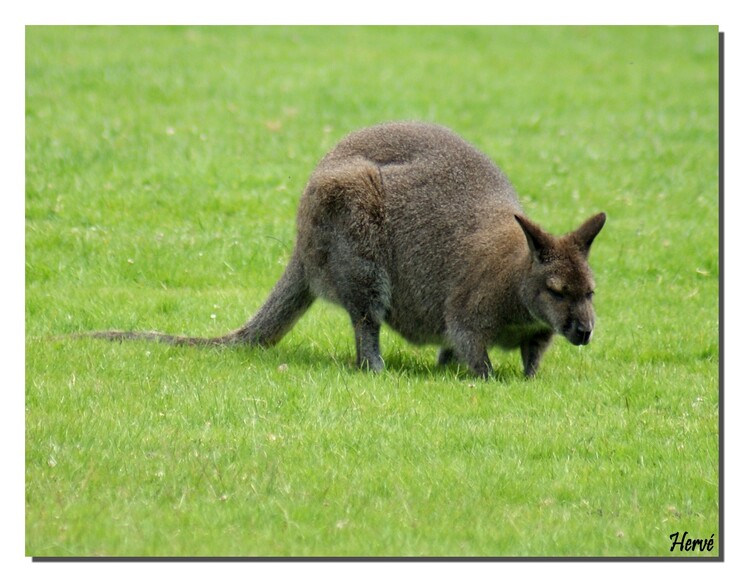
371	364
467	347
445	356
480	366
475	356
483	369
367	338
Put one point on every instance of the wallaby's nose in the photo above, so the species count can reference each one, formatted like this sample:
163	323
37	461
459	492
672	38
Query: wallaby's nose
584	333
580	332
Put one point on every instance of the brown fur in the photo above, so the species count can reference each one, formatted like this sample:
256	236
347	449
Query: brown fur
407	224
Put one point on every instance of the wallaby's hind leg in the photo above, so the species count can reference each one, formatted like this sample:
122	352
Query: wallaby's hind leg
532	351
340	229
362	289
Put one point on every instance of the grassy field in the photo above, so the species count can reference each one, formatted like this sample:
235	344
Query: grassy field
163	170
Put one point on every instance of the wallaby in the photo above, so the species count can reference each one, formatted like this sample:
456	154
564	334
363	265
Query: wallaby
409	225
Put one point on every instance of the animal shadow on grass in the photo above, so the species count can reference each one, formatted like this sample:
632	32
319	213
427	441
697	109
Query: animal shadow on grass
419	364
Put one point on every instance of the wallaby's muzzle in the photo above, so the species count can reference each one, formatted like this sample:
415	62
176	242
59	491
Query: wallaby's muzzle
580	333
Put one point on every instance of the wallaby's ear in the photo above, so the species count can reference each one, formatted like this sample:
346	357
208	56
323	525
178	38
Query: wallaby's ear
539	241
587	232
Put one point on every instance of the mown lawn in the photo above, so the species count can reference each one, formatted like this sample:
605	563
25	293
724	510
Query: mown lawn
163	169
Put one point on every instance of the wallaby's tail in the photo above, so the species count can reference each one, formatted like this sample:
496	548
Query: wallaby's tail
288	301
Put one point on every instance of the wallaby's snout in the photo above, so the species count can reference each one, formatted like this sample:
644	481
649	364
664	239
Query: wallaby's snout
580	333
579	328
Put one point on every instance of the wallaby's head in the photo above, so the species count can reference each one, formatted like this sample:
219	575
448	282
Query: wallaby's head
559	287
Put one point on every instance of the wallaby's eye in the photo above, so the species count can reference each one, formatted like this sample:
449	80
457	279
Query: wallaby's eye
590	295
556	294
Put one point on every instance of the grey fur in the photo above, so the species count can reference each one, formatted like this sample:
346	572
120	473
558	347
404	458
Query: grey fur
409	225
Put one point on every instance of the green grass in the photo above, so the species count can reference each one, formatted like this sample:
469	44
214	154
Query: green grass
163	170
